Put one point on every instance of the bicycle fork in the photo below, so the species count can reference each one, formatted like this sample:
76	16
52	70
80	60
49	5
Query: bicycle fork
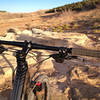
22	70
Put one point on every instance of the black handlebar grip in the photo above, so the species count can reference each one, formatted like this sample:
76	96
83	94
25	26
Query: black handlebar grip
86	52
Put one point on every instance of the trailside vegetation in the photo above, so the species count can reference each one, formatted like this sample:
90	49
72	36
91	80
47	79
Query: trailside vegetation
3	11
78	6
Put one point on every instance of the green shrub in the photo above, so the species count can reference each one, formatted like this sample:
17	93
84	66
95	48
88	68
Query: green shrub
96	26
96	31
62	28
65	27
85	4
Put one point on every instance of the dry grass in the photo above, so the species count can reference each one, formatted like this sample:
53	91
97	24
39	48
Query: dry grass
62	18
39	19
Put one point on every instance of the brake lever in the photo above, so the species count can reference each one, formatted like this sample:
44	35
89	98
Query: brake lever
71	57
74	57
81	59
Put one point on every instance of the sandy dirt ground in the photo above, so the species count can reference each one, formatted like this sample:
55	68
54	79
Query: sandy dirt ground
84	76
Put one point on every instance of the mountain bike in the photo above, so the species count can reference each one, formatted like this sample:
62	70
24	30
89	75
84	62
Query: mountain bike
24	87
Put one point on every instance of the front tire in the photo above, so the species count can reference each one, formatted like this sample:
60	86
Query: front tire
40	92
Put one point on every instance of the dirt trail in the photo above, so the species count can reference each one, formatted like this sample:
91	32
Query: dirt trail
85	76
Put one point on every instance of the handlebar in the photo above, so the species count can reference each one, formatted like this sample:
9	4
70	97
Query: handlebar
33	45
86	52
73	51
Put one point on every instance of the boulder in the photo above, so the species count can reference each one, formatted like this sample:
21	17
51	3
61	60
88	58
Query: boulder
39	31
14	30
9	36
27	32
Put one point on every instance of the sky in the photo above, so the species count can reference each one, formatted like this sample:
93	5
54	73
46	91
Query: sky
31	5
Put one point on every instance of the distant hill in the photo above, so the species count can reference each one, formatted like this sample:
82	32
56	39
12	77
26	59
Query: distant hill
2	11
78	6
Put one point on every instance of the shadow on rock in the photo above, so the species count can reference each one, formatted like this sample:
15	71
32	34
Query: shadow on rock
84	91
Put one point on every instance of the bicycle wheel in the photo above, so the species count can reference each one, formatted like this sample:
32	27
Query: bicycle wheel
40	90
